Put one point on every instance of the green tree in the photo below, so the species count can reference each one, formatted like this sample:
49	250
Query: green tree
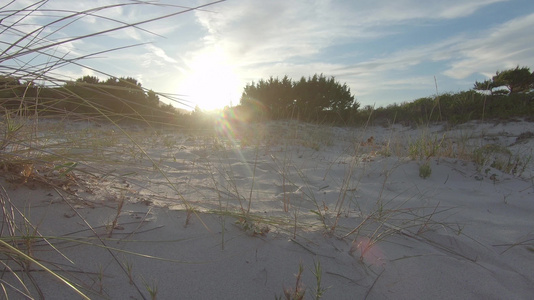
89	79
125	94
8	81
321	98
152	98
316	98
10	91
516	80
274	95
126	88
486	85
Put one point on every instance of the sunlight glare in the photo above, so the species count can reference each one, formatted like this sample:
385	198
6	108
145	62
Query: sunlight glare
212	82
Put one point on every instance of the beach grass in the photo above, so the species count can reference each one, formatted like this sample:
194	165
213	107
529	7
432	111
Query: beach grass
39	149
96	153
320	184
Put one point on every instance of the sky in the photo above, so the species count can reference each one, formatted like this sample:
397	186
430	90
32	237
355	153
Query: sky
387	51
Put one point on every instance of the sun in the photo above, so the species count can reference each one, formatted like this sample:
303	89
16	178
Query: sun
211	83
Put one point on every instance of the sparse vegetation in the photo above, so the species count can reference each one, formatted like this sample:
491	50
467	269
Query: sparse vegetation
425	170
501	158
298	291
35	150
220	167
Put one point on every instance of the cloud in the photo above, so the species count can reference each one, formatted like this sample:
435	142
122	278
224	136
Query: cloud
275	32
279	30
272	39
502	47
277	37
405	10
403	59
157	56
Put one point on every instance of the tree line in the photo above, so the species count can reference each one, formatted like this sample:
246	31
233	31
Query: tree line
511	81
321	99
117	98
508	94
317	99
314	99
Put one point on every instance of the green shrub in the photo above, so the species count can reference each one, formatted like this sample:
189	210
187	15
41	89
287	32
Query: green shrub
426	146
425	170
501	158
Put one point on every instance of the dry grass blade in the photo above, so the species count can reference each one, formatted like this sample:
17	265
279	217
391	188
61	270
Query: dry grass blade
101	171
33	52
33	34
374	282
17	252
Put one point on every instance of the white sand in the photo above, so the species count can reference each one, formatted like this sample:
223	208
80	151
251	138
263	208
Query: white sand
463	233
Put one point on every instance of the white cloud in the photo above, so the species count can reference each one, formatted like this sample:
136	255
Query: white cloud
403	10
279	30
273	32
502	47
156	56
279	37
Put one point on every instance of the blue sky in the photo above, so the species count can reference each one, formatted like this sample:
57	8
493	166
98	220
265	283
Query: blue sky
385	51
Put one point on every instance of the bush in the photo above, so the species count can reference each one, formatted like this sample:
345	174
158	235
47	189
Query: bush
425	170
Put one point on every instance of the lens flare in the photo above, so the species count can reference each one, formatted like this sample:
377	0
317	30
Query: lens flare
368	251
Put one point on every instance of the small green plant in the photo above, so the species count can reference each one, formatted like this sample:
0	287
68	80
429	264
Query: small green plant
254	228
10	131
152	289
426	146
65	168
100	277
298	292
129	269
317	272
460	229
169	142
492	155
188	213
425	170
501	158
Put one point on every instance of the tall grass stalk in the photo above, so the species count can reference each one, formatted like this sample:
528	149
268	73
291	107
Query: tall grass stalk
34	53
347	179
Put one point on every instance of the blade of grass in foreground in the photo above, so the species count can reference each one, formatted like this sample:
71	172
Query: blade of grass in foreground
32	52
30	259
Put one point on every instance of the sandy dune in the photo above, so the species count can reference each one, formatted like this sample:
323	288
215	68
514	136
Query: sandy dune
231	214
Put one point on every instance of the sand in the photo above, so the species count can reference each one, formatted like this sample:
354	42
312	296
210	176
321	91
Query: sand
231	214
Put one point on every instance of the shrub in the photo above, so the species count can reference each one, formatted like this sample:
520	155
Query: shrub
425	170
